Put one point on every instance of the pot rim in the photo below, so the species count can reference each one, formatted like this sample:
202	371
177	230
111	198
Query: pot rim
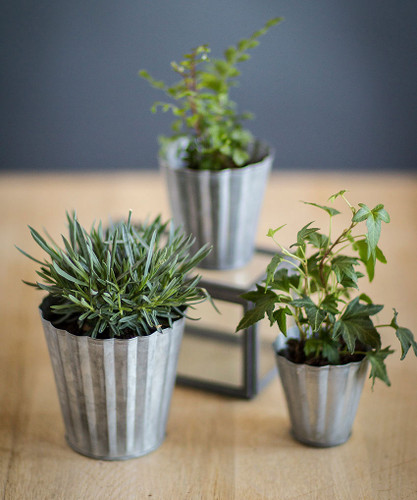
266	160
316	368
138	338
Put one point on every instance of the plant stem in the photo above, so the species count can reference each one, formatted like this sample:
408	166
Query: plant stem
191	84
329	250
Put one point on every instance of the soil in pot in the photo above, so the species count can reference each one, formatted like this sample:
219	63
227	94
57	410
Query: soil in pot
71	324
294	351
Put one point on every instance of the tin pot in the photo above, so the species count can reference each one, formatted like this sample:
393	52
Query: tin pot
218	207
114	394
322	400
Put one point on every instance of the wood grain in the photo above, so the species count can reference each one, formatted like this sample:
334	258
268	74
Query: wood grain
216	447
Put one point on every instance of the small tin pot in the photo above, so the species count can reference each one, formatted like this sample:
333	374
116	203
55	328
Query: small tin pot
218	207
322	400
114	394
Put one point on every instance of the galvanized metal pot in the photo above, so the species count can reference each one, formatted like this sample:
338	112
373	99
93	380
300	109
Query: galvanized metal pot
322	400
217	207
114	394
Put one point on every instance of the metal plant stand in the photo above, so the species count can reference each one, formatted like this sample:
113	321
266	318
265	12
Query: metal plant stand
215	358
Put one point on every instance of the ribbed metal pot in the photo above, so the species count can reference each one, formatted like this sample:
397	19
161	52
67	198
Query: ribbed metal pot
217	207
322	400
114	394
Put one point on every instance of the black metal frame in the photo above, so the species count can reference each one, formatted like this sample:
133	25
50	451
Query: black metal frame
252	383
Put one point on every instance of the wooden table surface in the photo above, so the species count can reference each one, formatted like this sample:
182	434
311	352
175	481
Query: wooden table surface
216	447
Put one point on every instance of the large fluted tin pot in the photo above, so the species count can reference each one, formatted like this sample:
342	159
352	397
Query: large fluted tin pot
322	400
218	207
114	394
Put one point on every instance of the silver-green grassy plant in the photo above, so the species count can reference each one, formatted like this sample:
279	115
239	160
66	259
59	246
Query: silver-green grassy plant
124	280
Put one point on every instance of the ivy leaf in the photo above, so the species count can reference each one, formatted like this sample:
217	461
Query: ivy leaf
330	304
282	281
378	368
264	301
280	316
365	298
331	211
322	347
356	324
405	336
318	240
349	283
356	310
303	233
315	315
272	267
362	214
336	195
271	232
361	246
343	266
331	351
373	223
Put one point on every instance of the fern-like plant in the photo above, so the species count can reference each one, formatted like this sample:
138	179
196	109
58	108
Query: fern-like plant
315	289
204	112
122	281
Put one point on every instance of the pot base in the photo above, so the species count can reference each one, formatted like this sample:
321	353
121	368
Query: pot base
316	444
108	458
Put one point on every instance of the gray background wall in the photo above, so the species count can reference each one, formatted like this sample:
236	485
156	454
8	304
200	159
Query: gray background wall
333	87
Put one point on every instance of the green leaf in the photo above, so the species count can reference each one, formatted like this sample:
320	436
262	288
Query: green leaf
405	336
343	266
336	195
373	223
355	324
330	304
251	317
272	267
361	246
318	240
322	347
271	232
280	316
230	53
331	211
273	22
365	298
303	233
29	256
357	310
362	214
378	368
264	303
315	315
67	276
372	238
282	281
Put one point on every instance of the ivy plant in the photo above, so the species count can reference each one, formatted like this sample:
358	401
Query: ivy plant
315	283
203	109
121	281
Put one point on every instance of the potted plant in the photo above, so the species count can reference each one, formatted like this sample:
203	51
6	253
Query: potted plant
113	319
325	358
215	169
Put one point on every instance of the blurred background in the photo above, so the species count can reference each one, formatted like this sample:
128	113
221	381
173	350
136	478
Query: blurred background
332	87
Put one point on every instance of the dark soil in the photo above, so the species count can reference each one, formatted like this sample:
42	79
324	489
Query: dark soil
295	352
71	324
